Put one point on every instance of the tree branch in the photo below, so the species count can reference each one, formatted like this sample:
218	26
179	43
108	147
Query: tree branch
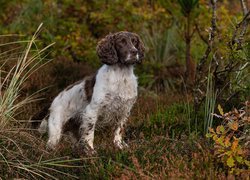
197	95
243	25
211	35
200	34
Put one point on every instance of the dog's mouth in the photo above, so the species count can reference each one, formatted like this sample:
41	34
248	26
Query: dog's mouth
132	59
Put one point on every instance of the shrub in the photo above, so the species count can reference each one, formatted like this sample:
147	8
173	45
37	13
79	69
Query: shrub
231	139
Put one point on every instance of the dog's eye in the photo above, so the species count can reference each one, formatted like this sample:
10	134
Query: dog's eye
123	41
133	40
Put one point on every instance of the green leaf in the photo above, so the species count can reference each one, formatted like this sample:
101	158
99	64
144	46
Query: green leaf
209	135
230	162
220	140
239	159
222	129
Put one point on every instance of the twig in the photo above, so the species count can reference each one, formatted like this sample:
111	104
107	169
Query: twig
199	33
213	29
211	36
244	28
244	7
243	24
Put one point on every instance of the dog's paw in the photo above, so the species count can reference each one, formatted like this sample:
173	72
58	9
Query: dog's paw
121	144
82	148
90	151
50	146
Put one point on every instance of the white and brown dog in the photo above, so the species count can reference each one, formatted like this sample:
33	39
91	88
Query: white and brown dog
104	98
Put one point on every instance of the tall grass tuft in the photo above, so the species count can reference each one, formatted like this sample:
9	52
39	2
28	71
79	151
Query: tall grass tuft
22	154
162	45
209	103
11	82
164	67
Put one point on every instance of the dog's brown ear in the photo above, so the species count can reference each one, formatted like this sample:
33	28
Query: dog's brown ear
140	47
106	50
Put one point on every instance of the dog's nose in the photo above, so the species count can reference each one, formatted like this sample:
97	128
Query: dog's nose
134	51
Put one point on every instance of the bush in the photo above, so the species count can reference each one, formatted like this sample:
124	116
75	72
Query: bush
231	139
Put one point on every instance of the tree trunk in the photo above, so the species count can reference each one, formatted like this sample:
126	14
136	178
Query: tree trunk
190	65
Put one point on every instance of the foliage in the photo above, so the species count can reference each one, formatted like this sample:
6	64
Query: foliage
231	139
187	6
76	26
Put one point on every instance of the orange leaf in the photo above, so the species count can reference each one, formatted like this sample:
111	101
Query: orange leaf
234	126
235	144
211	130
227	141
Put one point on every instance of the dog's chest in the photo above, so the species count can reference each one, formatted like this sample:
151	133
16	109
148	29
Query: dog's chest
120	94
118	90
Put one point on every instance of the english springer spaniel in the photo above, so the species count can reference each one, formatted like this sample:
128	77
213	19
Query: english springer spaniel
104	98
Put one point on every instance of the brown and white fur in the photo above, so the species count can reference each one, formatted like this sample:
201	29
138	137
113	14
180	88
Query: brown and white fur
104	98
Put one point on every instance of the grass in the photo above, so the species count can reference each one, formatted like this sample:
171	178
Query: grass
19	149
209	104
12	80
163	68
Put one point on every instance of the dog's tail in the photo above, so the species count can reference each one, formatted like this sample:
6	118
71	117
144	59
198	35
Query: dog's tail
39	120
43	126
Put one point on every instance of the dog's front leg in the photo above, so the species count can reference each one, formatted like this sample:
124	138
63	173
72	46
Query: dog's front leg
118	141
87	129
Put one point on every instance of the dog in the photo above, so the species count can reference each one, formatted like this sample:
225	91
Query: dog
106	97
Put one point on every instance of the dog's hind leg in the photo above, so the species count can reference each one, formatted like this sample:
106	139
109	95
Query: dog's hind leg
55	124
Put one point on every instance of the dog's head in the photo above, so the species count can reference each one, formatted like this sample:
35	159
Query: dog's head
121	47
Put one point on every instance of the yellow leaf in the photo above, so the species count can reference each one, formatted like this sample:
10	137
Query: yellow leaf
220	141
209	135
247	163
215	138
220	110
222	129
230	161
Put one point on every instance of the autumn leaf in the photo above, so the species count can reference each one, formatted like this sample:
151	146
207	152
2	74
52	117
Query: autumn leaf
220	110
230	161
211	130
222	129
209	135
239	159
227	141
234	126
247	163
235	144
